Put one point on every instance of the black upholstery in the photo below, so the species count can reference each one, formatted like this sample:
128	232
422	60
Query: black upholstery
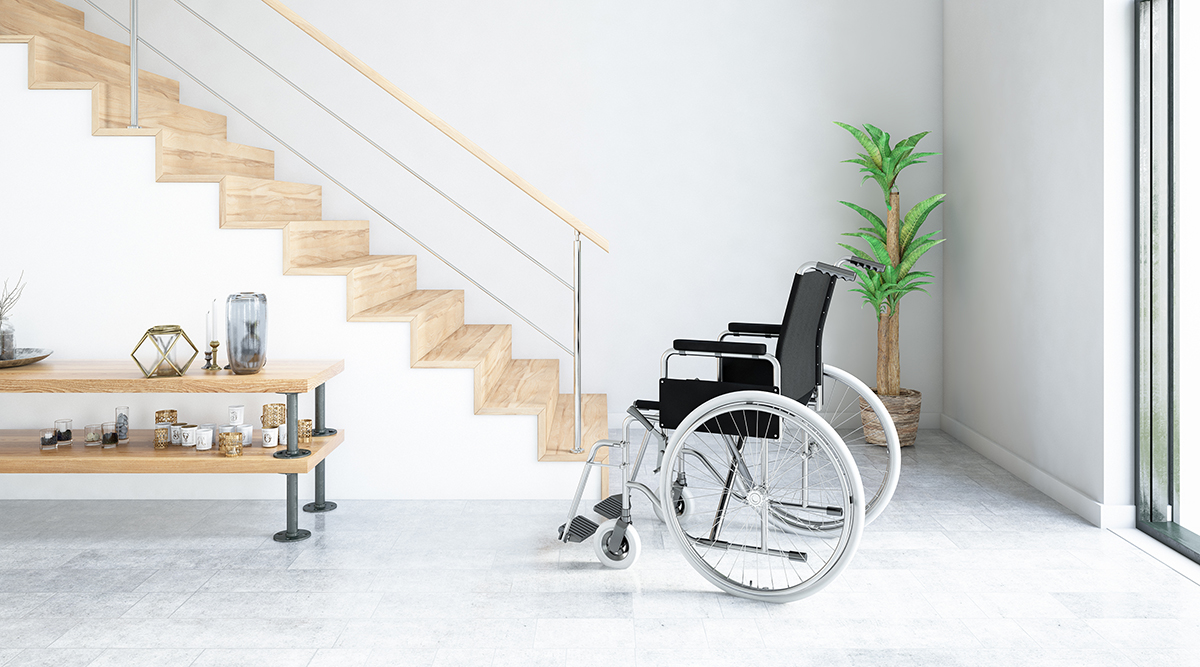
687	345
798	348
645	405
754	328
798	351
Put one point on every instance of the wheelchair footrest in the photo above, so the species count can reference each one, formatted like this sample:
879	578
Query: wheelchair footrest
581	528
610	507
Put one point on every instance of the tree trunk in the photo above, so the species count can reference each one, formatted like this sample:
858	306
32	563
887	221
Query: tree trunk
887	361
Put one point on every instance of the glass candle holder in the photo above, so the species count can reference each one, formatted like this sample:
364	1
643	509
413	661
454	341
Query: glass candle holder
162	435
190	433
204	439
49	439
108	435
247	431
62	432
92	435
283	435
168	416
177	433
230	443
237	414
270	437
123	423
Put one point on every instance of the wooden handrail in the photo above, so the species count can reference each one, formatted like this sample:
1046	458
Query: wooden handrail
458	137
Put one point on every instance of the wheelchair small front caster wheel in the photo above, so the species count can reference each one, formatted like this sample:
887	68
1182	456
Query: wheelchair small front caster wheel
631	546
685	505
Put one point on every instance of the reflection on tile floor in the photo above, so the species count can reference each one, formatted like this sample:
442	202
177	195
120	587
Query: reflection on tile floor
969	566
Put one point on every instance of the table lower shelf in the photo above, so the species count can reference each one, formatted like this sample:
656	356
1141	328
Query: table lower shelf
20	452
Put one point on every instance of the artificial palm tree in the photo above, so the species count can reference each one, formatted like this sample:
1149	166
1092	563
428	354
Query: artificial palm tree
894	244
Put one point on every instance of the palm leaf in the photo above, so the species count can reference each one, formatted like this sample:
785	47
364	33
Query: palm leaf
867	144
916	253
916	217
875	221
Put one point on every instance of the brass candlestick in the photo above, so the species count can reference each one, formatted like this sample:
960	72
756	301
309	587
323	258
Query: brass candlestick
210	357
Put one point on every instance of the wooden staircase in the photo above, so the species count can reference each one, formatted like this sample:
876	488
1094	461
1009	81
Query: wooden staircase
191	146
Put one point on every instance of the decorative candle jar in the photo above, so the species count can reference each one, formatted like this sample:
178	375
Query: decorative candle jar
304	430
230	443
123	423
246	332
62	432
49	439
92	435
162	435
108	435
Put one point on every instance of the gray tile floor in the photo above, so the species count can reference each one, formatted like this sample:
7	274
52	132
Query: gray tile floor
969	566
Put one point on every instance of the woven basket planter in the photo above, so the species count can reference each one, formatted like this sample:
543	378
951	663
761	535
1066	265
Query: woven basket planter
906	413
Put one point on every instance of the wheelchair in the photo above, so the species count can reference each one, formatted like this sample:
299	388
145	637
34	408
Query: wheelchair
766	478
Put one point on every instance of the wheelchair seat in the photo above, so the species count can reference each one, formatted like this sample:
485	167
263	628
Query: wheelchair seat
797	349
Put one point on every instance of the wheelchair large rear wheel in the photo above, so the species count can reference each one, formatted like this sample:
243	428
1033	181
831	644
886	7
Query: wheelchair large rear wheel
878	466
747	457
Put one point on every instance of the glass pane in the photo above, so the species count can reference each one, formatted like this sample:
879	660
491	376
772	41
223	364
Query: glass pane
1187	274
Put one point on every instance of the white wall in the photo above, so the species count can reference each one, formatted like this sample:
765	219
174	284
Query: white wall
697	137
1039	280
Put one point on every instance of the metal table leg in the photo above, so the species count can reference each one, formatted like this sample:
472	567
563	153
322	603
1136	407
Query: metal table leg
320	504
320	430
293	451
293	533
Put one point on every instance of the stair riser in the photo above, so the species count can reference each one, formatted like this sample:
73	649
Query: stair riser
489	372
253	204
369	286
307	243
189	158
19	18
433	324
110	110
56	66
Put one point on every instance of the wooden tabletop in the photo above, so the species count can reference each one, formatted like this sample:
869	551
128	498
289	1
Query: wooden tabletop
123	377
20	452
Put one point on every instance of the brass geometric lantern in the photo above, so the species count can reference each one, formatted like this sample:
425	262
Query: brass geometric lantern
160	358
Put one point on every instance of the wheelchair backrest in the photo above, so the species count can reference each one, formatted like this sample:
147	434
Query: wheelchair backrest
799	347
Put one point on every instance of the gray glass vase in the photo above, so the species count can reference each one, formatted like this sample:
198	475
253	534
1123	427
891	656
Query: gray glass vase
246	332
8	349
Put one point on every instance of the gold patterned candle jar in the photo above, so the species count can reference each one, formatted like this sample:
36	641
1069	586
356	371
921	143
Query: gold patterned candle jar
162	435
274	414
304	430
230	443
168	416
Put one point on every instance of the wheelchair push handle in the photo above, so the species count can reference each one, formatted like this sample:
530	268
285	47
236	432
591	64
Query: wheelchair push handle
836	271
862	263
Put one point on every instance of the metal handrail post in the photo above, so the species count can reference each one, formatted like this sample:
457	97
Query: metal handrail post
133	64
578	359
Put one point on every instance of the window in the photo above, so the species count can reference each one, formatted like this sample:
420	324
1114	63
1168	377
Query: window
1168	493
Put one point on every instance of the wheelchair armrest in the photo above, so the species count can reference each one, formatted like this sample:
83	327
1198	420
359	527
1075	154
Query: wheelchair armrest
717	347
755	329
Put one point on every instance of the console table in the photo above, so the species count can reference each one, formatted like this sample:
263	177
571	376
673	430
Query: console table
20	451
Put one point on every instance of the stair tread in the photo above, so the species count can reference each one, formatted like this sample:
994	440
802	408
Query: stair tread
340	267
466	347
562	431
527	386
55	11
405	308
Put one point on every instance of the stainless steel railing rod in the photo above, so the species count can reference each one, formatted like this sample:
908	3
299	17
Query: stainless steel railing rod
578	358
367	139
133	64
336	182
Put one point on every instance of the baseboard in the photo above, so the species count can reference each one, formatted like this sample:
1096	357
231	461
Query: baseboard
1096	513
